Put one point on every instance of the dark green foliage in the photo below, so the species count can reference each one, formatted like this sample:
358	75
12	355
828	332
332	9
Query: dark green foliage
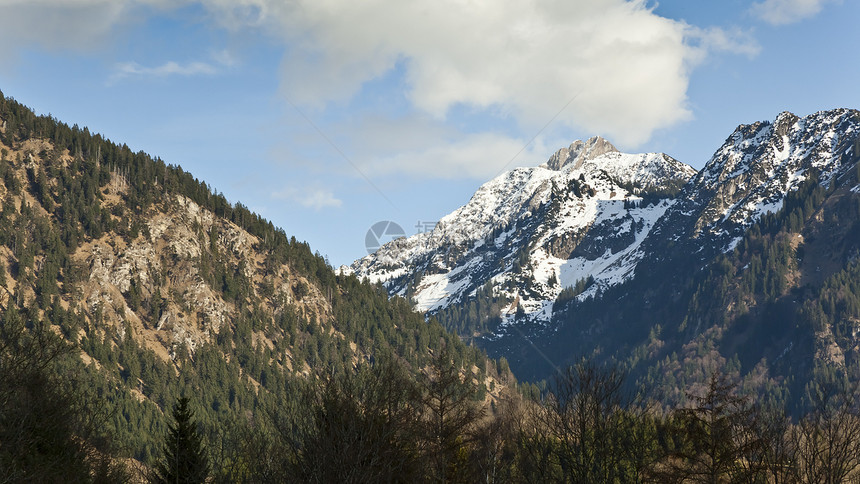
377	424
184	459
354	428
300	290
569	293
837	305
479	315
763	258
48	424
652	196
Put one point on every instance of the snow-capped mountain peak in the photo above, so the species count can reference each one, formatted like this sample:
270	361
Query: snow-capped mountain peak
527	252
759	163
532	231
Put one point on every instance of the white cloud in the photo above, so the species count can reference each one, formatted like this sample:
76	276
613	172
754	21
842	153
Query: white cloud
170	68
781	12
479	156
734	41
416	145
629	67
316	198
626	68
222	58
225	58
73	24
421	146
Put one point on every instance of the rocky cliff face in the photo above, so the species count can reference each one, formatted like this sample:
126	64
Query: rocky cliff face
164	262
578	152
161	274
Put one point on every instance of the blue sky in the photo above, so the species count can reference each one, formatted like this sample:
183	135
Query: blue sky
327	116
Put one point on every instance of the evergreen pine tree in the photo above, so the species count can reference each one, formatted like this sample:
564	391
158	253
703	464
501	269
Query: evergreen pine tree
184	459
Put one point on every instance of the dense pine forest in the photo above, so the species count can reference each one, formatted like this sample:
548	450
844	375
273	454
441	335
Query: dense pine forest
153	331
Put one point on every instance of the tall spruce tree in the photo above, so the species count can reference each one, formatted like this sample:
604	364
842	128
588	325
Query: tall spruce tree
184	460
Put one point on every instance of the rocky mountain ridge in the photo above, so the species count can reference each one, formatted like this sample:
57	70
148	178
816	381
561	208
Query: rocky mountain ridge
580	239
531	232
751	173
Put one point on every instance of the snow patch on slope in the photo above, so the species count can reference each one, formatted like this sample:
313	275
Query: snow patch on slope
509	230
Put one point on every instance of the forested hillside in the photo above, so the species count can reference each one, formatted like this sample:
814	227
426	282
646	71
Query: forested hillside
126	283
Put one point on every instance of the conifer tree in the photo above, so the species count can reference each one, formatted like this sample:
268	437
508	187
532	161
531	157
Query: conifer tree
721	438
184	460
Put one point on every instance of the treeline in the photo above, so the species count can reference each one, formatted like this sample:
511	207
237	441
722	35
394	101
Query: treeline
478	315
375	420
382	424
97	161
571	292
589	426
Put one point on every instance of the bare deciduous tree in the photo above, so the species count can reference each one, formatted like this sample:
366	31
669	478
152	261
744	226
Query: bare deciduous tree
587	429
828	437
451	417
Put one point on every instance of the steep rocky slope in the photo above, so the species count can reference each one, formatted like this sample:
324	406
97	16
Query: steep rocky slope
152	272
753	171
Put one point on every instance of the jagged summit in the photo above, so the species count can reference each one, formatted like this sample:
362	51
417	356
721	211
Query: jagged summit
551	222
640	258
578	152
757	166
